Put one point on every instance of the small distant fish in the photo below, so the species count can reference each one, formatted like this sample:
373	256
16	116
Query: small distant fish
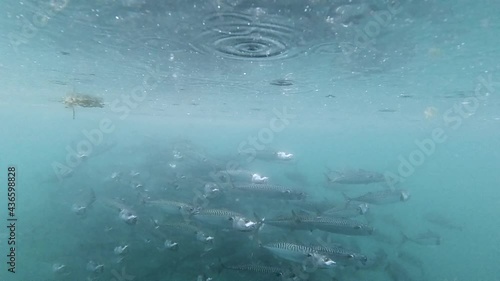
256	268
315	207
171	245
387	110
128	217
405	96
442	221
335	225
428	238
327	224
60	269
282	82
382	197
217	217
270	191
212	191
173	207
226	218
121	250
94	267
286	222
238	175
358	176
81	210
349	210
125	214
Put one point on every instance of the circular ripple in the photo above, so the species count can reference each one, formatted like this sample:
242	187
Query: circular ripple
241	36
250	47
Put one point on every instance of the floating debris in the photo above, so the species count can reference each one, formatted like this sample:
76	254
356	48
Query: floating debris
282	82
430	112
329	96
405	96
387	110
76	99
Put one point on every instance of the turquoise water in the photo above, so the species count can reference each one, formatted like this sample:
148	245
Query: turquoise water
187	85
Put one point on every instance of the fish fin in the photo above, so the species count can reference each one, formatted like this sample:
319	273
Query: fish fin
257	217
260	225
327	178
328	168
92	198
347	198
404	238
296	218
220	266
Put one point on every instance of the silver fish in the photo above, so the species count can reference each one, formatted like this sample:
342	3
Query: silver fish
341	255
184	229
349	210
170	245
238	175
226	218
335	225
316	207
382	197
212	191
81	209
299	253
269	191
257	268
442	221
126	214
288	222
428	238
173	207
358	176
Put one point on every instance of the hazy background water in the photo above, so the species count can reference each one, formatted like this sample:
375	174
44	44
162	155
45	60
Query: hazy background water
212	66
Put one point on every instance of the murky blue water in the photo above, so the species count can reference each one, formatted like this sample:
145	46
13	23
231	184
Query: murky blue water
109	107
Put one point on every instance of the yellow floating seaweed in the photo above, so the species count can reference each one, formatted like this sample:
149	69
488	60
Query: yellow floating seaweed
82	100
